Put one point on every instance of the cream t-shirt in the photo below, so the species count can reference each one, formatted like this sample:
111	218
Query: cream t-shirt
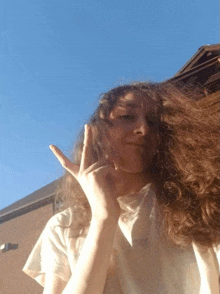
145	260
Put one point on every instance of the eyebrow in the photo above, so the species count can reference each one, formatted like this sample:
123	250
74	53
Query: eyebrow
129	104
150	112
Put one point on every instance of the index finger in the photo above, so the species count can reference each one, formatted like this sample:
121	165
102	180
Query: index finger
64	161
87	156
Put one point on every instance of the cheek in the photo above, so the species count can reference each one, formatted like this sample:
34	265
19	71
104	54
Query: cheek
116	134
115	143
154	146
154	136
155	141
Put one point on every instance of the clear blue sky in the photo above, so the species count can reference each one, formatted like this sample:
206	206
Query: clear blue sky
56	57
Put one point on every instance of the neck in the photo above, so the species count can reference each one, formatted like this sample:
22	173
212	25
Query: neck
132	182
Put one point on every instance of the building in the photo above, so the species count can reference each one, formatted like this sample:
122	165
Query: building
22	222
203	69
20	226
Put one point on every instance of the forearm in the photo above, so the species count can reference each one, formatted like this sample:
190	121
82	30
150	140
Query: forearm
91	269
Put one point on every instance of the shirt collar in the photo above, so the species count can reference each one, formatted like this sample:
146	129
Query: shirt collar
132	203
136	207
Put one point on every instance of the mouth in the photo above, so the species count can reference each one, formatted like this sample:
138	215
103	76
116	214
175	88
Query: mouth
136	144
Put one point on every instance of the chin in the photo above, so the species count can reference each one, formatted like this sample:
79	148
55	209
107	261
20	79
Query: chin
134	166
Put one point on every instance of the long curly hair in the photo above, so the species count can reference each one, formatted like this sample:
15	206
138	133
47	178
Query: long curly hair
185	169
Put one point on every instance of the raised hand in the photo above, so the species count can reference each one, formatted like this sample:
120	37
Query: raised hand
97	179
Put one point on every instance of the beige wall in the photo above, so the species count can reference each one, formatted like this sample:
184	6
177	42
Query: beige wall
24	231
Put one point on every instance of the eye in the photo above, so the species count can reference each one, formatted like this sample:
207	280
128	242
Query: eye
151	122
127	117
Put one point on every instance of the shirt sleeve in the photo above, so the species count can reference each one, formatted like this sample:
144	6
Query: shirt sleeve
217	252
49	255
207	260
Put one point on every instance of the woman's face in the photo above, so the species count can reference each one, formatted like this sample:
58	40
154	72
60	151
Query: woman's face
134	132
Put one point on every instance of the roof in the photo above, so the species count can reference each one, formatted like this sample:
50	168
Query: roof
202	69
40	197
203	54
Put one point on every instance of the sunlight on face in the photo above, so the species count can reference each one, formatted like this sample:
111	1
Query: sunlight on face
134	132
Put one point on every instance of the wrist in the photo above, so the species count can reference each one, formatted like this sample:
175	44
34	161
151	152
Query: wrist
105	220
106	215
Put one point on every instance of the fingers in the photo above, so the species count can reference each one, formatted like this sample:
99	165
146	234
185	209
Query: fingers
96	165
64	161
87	159
87	156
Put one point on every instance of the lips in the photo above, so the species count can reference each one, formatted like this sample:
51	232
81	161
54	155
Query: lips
138	143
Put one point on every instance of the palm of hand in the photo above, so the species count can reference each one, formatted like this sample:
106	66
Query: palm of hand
98	180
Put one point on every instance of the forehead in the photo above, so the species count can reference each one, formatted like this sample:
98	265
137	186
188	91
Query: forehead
136	100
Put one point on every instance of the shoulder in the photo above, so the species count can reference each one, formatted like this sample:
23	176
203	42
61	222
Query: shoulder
63	218
59	225
50	253
65	224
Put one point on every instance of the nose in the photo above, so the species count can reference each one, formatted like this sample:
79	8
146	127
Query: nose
141	127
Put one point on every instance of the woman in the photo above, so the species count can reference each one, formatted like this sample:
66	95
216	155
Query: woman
147	218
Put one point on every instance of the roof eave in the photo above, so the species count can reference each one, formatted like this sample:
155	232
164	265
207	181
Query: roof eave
200	52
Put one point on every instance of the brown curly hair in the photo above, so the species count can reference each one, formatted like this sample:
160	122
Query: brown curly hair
185	169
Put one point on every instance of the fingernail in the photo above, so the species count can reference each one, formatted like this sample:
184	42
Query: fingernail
51	147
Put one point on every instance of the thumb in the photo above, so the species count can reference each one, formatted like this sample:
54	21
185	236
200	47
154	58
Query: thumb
64	161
